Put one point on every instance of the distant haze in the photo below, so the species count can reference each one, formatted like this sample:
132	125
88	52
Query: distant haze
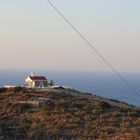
33	36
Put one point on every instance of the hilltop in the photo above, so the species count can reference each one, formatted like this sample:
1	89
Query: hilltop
65	114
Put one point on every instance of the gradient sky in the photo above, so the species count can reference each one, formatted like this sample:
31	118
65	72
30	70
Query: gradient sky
33	36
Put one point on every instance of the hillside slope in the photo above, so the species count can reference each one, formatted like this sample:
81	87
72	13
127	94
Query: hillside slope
65	114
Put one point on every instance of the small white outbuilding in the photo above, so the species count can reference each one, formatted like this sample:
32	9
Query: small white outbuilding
36	81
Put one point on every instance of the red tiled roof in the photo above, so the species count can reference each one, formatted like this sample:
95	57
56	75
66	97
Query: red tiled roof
38	78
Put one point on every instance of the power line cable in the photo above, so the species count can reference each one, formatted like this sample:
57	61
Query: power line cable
95	50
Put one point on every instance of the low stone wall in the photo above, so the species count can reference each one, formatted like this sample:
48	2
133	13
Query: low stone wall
33	104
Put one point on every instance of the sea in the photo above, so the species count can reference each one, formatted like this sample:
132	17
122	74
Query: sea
104	84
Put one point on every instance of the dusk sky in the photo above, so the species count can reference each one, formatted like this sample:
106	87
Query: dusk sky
33	36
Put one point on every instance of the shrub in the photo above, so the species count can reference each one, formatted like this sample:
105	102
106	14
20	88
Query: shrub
104	105
2	89
51	83
18	89
60	87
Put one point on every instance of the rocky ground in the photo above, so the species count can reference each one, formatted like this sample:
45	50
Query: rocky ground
65	114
